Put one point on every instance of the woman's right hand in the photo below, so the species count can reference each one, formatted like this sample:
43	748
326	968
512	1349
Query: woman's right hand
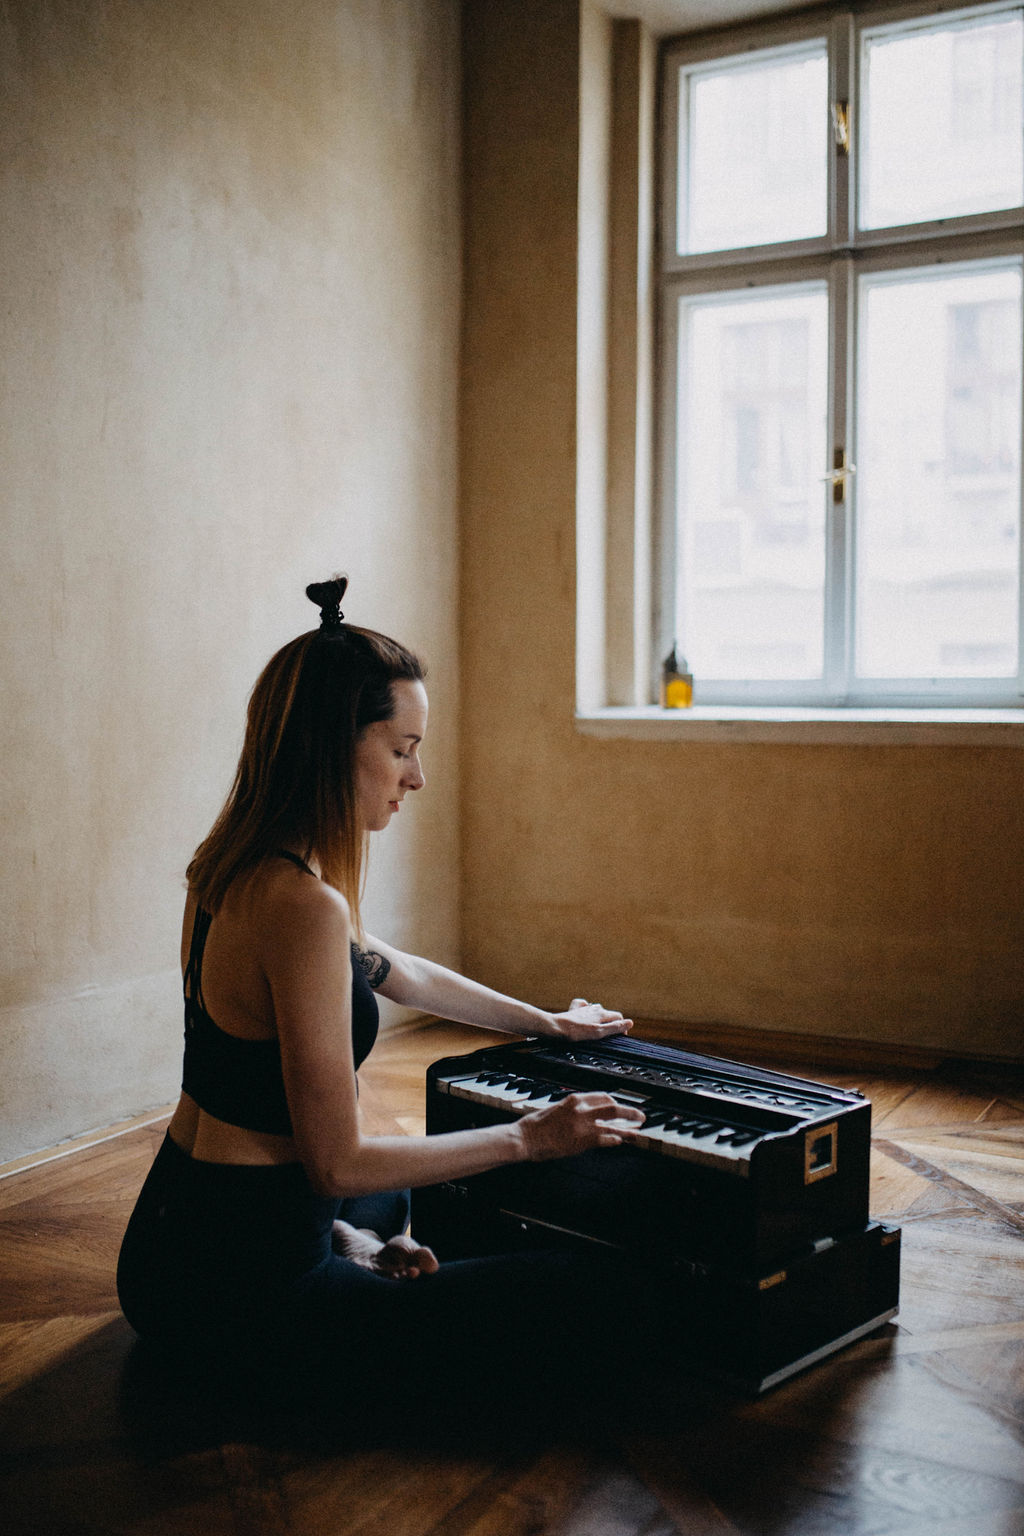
576	1124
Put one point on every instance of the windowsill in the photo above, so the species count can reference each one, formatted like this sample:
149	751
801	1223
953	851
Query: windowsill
784	725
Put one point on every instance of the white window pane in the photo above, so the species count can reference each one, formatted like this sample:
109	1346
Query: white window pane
754	152
943	121
751	504
938	481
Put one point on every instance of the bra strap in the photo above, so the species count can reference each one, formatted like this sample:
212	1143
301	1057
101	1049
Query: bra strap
194	969
286	853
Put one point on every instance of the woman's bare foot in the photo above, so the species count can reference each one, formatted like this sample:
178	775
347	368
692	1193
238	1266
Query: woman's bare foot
401	1258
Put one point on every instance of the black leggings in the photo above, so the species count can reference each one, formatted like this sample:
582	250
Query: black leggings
231	1266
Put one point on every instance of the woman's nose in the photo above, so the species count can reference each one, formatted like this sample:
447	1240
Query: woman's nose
414	778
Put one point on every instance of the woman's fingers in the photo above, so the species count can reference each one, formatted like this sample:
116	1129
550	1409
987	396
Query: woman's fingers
603	1107
580	1121
617	1110
574	1028
618	1128
618	1026
592	1013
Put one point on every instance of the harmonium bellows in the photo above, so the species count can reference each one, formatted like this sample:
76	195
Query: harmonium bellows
738	1175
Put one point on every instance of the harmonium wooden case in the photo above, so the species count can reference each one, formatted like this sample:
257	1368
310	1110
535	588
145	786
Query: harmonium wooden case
751	1184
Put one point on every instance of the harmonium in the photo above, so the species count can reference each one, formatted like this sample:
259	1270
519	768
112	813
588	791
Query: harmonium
752	1185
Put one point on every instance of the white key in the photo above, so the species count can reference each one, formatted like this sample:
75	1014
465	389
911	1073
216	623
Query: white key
493	1093
696	1149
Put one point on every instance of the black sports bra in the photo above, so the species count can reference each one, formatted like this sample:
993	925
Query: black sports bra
238	1080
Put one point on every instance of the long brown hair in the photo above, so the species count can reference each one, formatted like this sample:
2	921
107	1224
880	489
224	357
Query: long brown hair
295	784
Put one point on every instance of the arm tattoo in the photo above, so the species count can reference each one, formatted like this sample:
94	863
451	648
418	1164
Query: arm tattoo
375	967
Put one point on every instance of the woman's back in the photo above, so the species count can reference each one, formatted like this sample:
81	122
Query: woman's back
234	1108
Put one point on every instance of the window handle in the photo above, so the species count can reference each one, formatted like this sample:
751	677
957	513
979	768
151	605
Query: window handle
841	126
838	476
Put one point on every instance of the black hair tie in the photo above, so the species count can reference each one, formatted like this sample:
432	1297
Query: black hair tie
328	595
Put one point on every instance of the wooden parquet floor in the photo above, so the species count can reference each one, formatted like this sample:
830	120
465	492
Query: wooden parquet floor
916	1432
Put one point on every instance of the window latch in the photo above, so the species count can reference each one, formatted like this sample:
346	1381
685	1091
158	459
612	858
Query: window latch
839	475
841	126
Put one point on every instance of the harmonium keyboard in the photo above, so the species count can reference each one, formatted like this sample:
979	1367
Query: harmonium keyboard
738	1176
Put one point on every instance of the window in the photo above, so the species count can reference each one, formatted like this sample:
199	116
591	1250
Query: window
841	359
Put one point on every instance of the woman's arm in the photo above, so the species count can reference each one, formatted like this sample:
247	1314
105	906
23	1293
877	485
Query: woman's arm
303	938
419	983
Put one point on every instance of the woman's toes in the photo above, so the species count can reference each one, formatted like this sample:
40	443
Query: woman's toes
426	1261
404	1259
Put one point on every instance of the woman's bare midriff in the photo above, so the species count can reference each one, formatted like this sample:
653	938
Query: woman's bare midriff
210	1140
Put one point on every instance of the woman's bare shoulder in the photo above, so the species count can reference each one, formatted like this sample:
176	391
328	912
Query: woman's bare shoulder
283	902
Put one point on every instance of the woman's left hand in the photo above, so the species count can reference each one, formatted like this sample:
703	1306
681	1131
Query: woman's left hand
588	1021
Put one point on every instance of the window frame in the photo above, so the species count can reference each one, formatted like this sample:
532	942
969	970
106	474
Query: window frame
839	258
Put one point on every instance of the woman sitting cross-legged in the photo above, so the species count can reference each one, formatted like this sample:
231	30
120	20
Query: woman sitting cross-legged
269	1241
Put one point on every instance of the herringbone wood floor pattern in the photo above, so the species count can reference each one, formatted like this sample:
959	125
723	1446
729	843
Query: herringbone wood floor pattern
917	1432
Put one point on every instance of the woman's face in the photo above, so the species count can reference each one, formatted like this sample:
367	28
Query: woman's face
387	760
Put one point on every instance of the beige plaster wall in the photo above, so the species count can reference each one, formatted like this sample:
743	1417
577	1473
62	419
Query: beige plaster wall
869	892
229	312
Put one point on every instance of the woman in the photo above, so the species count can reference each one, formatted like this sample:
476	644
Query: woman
268	1238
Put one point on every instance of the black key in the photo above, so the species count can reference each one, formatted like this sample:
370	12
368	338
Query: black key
704	1130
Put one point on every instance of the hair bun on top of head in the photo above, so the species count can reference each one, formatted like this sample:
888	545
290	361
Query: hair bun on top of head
328	595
